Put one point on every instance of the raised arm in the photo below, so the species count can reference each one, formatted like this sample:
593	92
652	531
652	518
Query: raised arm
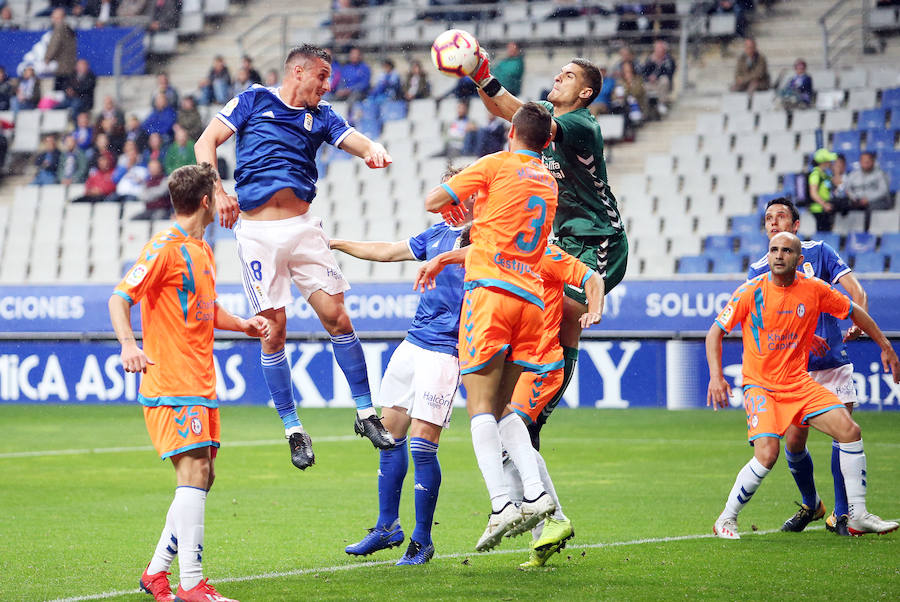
373	153
889	359
439	200
215	134
718	392
374	251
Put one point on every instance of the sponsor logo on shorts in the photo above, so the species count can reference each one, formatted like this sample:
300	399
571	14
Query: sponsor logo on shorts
196	426
136	274
437	400
336	274
801	310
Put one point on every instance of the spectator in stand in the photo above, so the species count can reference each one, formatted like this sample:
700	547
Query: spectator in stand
461	133
164	86
657	72
111	111
100	148
134	132
161	119
491	137
355	78
464	89
626	55
106	11
739	8
510	69
247	63
47	162
242	81
189	118
345	20
73	164
99	185
868	188
7	90
798	92
388	86
164	15
416	84
7	22
132	8
62	48
180	152
28	91
156	194
751	72
216	88
155	149
629	97
130	175
272	77
84	132
80	92
820	185
603	103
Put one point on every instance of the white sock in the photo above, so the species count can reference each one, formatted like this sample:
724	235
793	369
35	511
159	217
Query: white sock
548	485
294	429
366	412
853	467
517	443
746	484
189	505
167	546
488	453
513	481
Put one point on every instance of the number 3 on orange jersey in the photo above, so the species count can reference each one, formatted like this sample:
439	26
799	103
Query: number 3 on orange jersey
536	225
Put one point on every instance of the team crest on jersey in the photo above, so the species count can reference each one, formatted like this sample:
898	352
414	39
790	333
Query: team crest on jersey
808	269
801	310
230	106
307	122
196	426
136	274
754	422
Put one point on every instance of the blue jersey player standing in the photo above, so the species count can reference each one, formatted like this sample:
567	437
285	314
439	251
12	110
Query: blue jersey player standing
417	391
829	365
278	133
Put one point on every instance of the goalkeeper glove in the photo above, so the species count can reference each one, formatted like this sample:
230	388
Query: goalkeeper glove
482	77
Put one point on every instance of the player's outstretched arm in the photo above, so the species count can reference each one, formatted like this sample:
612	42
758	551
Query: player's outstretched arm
431	268
373	153
374	251
257	326
205	150
889	359
451	209
133	357
718	392
594	290
857	295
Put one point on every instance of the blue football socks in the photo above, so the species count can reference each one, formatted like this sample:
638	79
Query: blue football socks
801	466
349	355
427	471
841	506
278	378
391	472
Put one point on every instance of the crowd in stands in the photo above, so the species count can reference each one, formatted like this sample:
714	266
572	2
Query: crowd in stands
158	15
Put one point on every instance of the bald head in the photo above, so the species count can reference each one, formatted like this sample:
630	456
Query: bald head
784	256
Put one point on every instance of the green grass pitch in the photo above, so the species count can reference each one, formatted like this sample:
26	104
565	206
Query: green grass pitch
642	488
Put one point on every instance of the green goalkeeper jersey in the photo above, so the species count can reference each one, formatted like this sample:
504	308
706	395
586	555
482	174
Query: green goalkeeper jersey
587	206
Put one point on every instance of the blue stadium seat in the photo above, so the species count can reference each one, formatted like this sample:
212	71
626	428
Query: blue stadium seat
888	157
728	264
890	99
890	243
859	243
852	158
894	261
392	110
763	199
833	240
871	119
719	243
869	262
893	172
693	264
880	139
370	127
745	224
754	244
848	141
789	185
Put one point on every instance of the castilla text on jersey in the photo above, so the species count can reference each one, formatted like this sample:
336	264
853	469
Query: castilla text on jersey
512	264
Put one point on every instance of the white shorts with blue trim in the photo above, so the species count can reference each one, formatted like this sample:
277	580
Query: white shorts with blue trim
839	381
422	382
274	253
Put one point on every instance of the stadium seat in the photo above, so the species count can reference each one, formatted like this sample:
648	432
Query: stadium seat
763	199
890	243
735	102
748	143
804	121
754	244
719	243
685	243
830	238
890	98
829	100
710	123
684	143
869	262
658	164
734	200
853	78
763	100
853	221
676	222
762	181
727	264
894	262
843	142
711	223
741	122
393	109
871	119
885	221
723	163
824	80
880	139
754	161
746	224
838	120
663	185
691	164
859	242
862	98
781	140
693	264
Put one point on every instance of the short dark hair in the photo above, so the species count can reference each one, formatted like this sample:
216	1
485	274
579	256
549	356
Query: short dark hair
795	215
464	238
592	76
871	153
450	171
532	122
307	51
188	184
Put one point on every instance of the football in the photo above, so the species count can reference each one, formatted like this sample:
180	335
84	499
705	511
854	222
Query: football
455	53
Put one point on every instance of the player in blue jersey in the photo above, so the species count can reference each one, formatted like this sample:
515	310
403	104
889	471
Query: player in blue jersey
417	390
829	365
278	132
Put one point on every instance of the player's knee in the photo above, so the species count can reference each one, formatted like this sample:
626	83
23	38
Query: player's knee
336	321
275	341
851	433
795	440
766	451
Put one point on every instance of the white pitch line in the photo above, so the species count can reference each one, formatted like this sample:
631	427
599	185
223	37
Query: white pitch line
362	565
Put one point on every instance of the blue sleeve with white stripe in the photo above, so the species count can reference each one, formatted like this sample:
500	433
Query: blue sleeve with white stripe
336	127
832	264
238	110
419	244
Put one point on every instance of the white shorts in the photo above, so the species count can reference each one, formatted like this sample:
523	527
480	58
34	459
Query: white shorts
839	381
422	382
276	252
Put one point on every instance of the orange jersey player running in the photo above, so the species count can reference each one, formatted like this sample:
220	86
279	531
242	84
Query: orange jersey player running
778	313
502	322
174	281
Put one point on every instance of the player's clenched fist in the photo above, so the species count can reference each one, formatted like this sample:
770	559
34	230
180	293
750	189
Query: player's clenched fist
257	326
377	156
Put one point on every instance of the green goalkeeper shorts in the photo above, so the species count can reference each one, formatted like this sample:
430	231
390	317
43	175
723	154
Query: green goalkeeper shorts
606	255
